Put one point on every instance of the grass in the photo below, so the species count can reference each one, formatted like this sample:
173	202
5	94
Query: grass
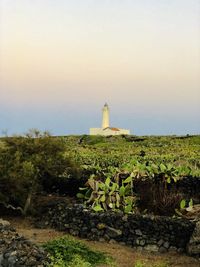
140	263
67	251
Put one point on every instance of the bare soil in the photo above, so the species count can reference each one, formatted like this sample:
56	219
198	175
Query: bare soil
124	256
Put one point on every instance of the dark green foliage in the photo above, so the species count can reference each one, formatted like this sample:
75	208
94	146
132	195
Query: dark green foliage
31	162
109	195
66	249
38	161
91	140
95	154
153	188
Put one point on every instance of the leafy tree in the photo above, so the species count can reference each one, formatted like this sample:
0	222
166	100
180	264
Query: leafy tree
28	163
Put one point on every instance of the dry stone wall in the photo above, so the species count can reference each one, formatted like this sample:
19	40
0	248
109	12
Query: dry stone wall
152	233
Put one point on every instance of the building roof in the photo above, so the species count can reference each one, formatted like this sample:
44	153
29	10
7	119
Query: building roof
111	128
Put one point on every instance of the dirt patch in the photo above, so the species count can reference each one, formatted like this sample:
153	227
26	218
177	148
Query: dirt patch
123	255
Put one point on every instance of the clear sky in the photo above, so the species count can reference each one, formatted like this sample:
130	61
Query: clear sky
61	60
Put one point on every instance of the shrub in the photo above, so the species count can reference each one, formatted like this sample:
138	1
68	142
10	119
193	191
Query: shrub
150	186
29	163
109	194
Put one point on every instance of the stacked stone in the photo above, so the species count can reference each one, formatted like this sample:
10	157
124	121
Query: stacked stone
193	247
152	233
16	251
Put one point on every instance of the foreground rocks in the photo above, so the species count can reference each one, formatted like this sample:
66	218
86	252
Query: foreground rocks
16	251
193	247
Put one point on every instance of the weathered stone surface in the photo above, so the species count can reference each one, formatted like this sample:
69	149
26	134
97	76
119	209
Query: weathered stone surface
15	250
138	232
101	226
193	247
160	242
4	222
143	231
142	242
162	250
112	232
151	248
166	245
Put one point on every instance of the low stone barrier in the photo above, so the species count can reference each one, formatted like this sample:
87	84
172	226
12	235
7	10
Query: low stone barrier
152	233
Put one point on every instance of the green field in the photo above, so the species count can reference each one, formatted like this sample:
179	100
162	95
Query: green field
115	172
97	152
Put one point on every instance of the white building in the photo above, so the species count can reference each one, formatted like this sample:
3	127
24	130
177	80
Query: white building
106	129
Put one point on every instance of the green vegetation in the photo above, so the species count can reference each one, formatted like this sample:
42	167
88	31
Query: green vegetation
28	164
111	170
69	252
115	164
120	173
147	264
117	192
110	194
97	154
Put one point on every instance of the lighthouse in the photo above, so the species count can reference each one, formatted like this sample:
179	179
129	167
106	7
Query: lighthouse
105	129
105	116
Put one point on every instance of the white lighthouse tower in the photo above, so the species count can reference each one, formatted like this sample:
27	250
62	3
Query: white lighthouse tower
105	118
105	129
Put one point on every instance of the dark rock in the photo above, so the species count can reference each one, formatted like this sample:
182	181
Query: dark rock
12	260
31	261
146	231
151	248
166	245
112	232
106	237
142	242
160	242
16	251
162	250
172	249
193	247
138	232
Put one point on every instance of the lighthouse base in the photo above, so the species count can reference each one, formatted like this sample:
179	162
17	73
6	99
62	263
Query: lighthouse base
109	131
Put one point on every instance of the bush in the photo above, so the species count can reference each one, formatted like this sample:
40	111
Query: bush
30	163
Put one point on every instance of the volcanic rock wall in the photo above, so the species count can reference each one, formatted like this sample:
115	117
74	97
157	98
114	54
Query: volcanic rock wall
152	233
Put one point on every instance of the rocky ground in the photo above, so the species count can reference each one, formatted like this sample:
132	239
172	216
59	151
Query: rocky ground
123	255
16	250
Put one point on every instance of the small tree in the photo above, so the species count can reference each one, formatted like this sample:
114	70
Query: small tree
27	163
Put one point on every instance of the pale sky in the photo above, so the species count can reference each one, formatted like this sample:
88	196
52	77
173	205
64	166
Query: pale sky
61	60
